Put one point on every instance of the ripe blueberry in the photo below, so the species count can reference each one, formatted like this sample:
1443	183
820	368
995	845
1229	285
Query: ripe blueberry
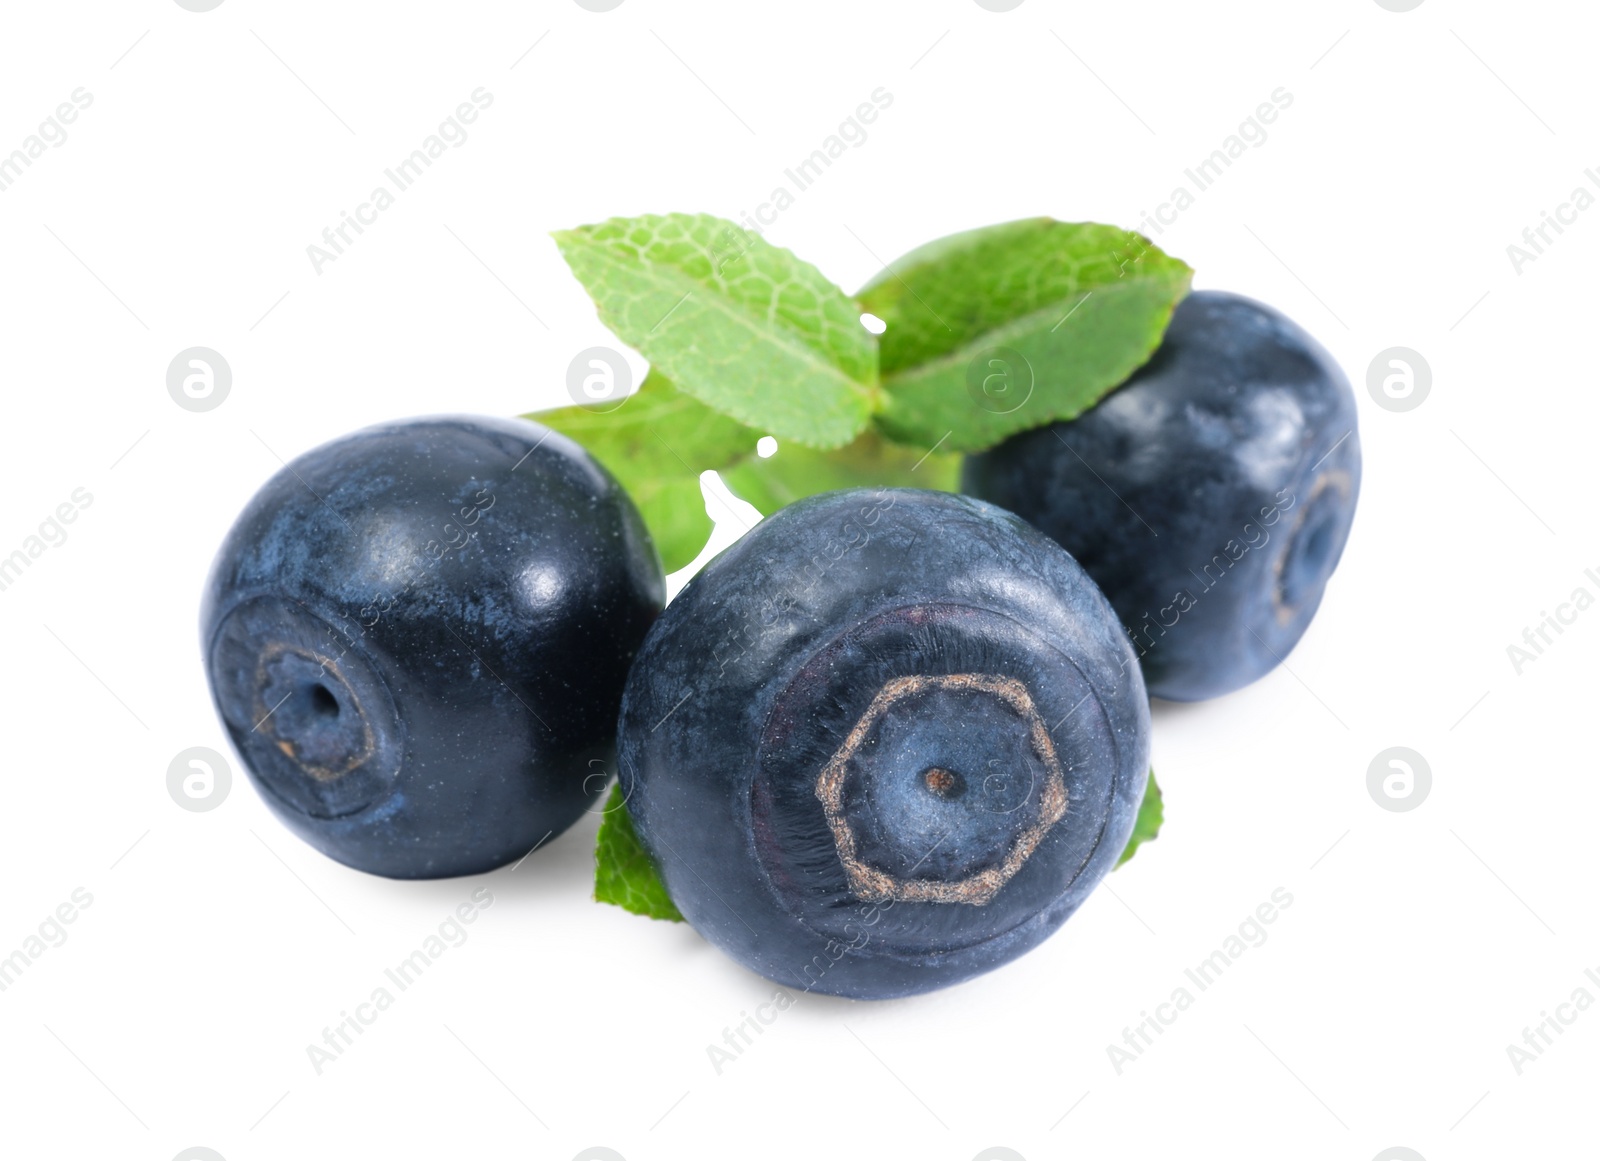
1209	496
417	636
886	742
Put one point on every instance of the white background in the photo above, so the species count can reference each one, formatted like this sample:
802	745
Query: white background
1378	212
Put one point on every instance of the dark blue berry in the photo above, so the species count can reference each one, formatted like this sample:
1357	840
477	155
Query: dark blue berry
886	742
1209	496
417	636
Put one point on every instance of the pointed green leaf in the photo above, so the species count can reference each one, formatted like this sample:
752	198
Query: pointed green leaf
1148	825
739	324
623	872
1009	327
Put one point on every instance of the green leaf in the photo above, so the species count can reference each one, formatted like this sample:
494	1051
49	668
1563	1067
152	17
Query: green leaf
623	872
870	462
657	442
998	330
1148	825
744	327
675	513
